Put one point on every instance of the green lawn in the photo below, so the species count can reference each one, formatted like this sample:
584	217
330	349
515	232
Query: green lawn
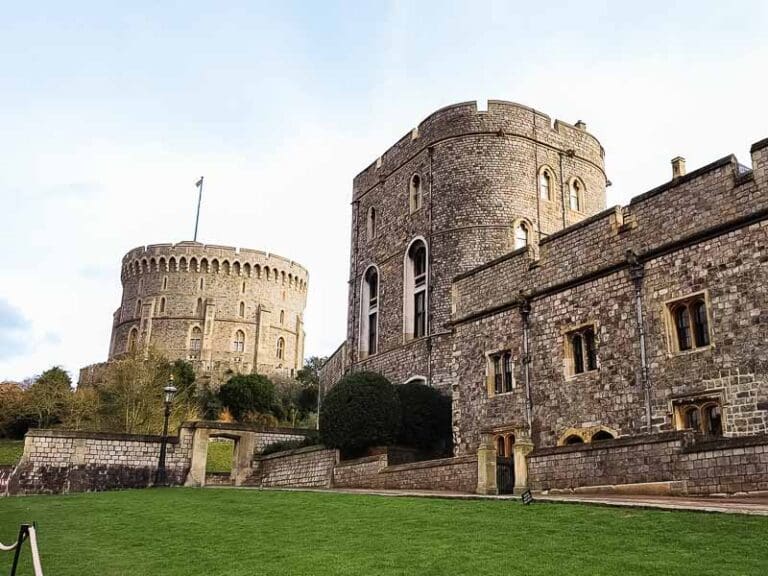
212	532
10	452
219	456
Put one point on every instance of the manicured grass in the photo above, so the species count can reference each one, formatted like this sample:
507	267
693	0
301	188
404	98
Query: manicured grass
10	452
228	532
219	457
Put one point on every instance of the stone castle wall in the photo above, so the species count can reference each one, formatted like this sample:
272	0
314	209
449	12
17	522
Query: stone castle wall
705	232
171	289
479	172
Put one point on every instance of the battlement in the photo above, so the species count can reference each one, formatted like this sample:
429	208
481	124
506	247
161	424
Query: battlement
214	259
715	199
501	119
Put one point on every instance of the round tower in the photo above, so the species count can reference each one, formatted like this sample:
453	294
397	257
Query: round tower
222	309
463	188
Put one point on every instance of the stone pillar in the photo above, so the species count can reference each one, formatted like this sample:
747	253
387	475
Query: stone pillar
242	457
486	466
206	352
521	449
196	476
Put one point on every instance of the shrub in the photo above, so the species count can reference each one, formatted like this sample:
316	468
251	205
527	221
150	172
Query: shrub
426	417
247	393
362	410
282	445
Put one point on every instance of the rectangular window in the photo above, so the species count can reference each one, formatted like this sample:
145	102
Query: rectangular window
688	322
501	377
372	337
420	316
580	351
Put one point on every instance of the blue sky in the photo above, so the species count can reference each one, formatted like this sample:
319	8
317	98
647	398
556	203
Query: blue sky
110	112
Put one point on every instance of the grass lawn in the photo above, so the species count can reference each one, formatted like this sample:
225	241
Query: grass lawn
10	452
210	532
219	456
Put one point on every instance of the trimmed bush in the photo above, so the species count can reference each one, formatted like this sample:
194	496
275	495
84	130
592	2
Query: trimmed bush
247	393
426	418
361	411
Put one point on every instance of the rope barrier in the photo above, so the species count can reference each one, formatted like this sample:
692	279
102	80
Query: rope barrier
26	532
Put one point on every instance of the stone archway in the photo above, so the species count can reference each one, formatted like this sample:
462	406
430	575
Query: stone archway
245	443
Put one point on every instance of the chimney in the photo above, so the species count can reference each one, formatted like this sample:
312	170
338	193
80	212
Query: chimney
678	167
581	125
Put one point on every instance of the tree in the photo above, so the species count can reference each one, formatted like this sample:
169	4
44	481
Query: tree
310	373
15	419
361	411
246	393
426	417
82	410
47	398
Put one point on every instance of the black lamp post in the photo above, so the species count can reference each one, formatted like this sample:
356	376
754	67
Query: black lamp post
161	479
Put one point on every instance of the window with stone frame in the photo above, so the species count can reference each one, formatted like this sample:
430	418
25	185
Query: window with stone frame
239	343
501	373
133	337
688	323
415	193
545	184
162	305
575	195
371	223
580	353
195	343
522	235
280	352
415	296
703	415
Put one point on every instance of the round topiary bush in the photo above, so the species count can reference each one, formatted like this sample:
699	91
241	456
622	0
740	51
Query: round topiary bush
426	418
246	393
361	411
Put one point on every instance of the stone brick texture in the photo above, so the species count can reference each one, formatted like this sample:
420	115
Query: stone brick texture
267	284
310	467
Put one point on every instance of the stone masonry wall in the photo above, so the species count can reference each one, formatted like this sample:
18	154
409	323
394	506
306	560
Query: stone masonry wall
310	467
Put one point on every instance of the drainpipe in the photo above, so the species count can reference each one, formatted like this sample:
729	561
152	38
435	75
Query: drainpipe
525	312
636	273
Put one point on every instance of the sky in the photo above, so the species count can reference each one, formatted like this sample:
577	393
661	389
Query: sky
110	112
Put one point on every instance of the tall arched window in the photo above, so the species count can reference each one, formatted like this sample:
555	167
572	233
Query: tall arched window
195	342
691	323
282	317
199	307
521	235
545	185
415	297
369	313
415	193
138	308
202	283
575	195
162	305
241	310
239	343
133	337
371	223
280	352
165	283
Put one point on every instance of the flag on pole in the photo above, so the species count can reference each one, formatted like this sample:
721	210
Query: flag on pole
199	183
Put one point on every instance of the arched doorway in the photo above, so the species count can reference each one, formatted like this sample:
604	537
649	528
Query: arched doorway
220	461
505	463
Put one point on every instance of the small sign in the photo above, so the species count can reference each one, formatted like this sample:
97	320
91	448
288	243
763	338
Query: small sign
527	497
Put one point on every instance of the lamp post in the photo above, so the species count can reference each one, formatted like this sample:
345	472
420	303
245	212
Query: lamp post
161	479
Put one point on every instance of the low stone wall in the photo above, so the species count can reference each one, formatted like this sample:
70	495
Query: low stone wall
57	461
5	476
310	467
457	474
685	463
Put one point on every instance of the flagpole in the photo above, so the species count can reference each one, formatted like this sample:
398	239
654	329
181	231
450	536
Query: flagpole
199	184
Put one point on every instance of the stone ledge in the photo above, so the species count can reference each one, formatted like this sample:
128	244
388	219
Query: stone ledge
363	460
193	425
292	452
705	445
430	464
664	488
615	443
49	433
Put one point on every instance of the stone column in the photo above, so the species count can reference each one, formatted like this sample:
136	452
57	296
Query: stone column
196	475
242	457
486	466
521	449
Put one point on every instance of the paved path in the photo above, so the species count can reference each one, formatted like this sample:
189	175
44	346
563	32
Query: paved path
754	505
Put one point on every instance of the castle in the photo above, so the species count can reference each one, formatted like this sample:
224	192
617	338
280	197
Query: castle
225	310
626	345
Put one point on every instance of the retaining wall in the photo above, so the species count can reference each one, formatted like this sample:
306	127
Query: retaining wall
310	467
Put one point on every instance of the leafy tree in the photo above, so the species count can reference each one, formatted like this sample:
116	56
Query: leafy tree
307	400
15	419
426	417
47	398
361	411
82	410
246	393
310	373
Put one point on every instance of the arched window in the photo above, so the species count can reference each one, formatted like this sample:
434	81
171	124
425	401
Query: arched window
193	264
241	310
199	307
700	322
415	193
133	337
575	195
521	235
195	341
369	313
165	283
141	285
201	285
239	343
693	419
581	351
138	308
500	447
371	223
690	322
573	439
601	435
280	348
415	304
162	305
545	185
282	317
713	420
242	290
